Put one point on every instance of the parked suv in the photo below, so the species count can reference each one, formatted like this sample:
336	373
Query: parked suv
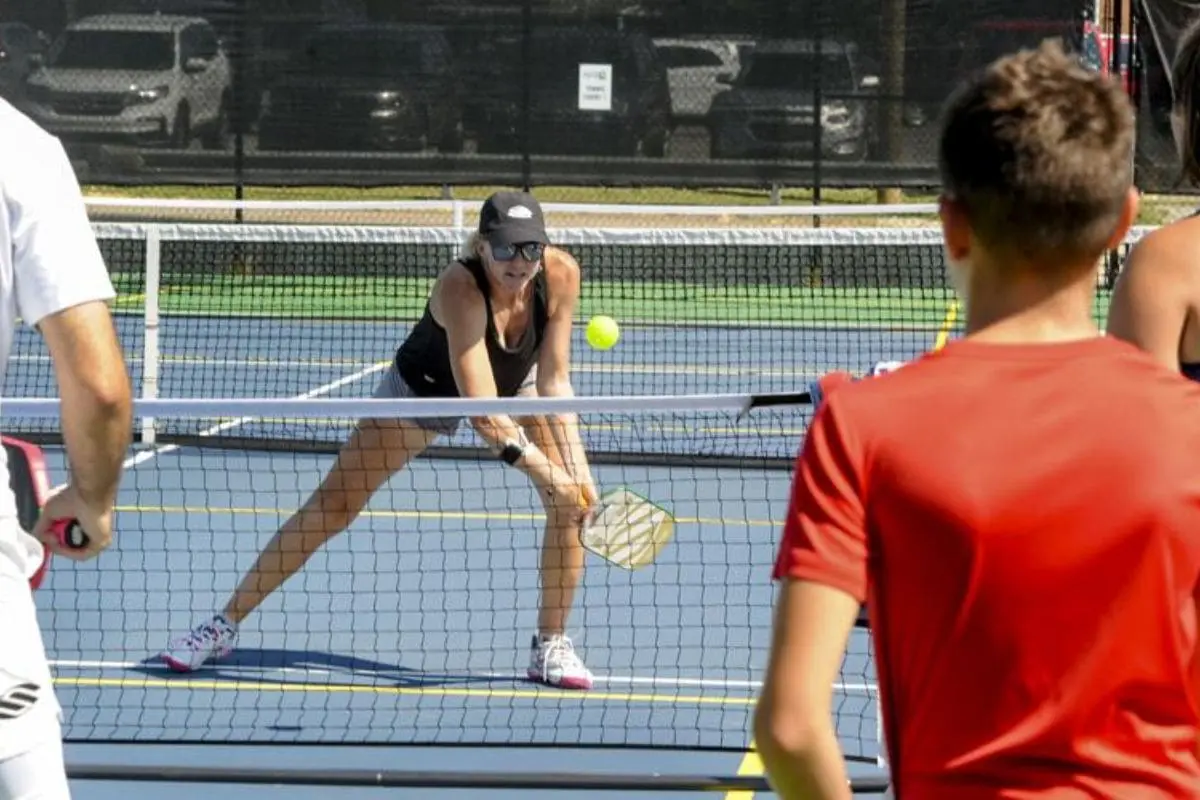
366	87
771	110
637	122
21	49
149	79
697	70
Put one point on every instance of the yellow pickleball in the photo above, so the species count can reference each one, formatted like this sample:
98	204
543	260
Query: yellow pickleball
602	332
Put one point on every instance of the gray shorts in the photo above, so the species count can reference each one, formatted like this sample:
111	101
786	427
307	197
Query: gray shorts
392	386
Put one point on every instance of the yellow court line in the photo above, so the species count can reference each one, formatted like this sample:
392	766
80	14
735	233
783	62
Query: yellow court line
947	326
485	516
401	691
751	766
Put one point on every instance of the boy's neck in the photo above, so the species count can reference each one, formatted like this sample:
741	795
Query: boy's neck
1020	309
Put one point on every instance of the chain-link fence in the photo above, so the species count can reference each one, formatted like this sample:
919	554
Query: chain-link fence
740	94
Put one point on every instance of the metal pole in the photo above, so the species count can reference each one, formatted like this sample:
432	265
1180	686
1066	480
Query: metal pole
895	18
239	108
526	94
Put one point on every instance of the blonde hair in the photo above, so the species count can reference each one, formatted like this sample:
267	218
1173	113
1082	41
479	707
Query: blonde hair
473	247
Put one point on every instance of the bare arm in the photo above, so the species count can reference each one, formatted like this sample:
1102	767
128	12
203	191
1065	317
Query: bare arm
96	398
1152	297
793	723
822	569
554	366
466	328
61	287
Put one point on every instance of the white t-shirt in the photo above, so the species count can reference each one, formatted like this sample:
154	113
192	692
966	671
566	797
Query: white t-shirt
49	261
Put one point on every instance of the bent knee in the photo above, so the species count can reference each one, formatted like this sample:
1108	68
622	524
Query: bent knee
562	510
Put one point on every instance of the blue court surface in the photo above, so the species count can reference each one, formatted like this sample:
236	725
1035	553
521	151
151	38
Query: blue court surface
403	643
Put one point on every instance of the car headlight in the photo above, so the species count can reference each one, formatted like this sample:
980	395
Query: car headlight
141	95
836	115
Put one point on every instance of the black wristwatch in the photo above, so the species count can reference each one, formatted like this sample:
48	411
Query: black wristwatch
512	453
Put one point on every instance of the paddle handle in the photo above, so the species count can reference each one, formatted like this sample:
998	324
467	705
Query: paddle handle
70	534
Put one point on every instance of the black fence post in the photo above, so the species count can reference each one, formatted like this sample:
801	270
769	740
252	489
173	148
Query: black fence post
241	62
526	94
1136	69
815	25
893	89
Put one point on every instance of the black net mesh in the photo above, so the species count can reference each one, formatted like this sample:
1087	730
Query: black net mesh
699	93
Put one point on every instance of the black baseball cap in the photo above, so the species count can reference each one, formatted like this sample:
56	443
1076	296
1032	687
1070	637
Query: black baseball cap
509	218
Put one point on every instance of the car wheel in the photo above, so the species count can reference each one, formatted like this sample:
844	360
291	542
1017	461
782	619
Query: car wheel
181	128
218	135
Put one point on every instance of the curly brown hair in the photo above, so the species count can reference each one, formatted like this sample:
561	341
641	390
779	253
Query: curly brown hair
1037	151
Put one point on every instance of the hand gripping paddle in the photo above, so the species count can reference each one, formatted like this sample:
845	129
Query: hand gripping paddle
30	485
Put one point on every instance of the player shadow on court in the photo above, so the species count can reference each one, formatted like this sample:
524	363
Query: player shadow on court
305	667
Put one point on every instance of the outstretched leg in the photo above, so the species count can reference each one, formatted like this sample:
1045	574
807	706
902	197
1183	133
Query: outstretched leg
376	451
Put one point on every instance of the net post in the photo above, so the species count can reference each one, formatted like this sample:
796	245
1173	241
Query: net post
150	338
456	208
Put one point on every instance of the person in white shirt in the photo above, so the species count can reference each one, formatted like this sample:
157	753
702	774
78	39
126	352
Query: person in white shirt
52	278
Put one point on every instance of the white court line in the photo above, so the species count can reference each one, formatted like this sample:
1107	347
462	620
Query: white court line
147	455
628	680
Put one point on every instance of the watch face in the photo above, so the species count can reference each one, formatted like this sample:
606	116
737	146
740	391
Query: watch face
512	453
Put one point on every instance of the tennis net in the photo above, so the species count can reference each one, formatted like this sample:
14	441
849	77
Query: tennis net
270	310
414	626
213	310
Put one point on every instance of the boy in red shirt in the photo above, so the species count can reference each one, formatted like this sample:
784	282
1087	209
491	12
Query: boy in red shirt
1021	508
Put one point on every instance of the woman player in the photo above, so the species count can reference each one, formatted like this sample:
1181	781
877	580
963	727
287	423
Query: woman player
1156	300
498	323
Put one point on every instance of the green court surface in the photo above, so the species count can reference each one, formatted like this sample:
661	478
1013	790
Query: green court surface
629	301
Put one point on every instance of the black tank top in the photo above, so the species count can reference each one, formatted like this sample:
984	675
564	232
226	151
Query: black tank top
423	360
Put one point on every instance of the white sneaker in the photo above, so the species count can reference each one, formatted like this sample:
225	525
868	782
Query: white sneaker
212	639
554	662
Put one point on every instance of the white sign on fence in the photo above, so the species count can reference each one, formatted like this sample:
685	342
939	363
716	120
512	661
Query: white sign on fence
595	87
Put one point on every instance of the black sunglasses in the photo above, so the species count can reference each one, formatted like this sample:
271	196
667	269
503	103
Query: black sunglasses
530	251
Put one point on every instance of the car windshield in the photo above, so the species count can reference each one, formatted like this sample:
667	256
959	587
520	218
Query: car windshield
364	56
120	50
794	71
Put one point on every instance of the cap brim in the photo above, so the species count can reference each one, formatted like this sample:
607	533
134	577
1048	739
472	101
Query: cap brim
518	233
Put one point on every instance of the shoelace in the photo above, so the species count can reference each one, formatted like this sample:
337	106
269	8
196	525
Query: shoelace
206	634
562	647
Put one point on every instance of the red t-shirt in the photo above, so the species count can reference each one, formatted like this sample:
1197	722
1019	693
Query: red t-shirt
1025	523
